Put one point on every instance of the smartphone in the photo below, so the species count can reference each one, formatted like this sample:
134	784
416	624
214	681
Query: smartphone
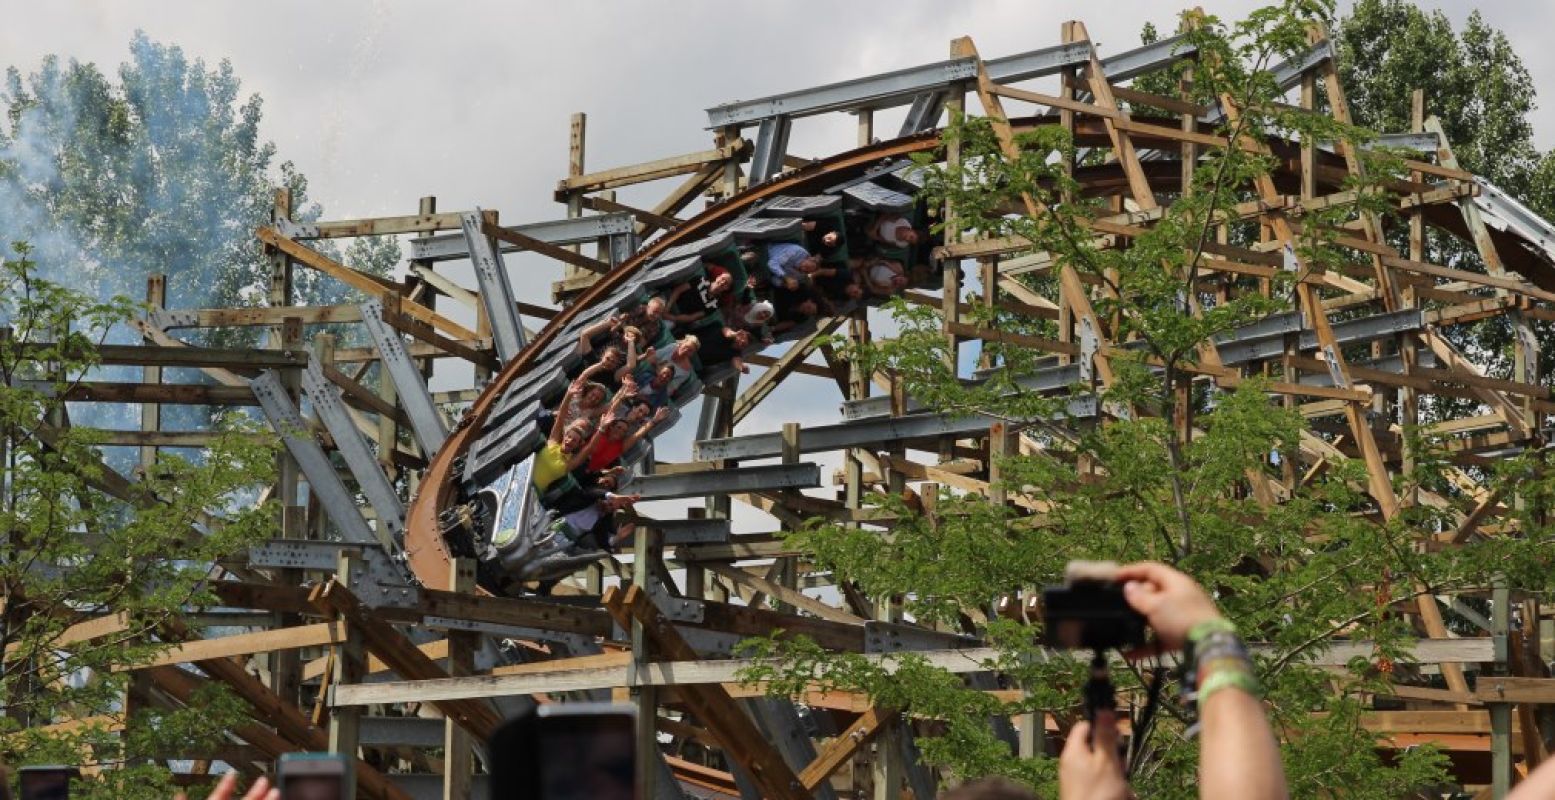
314	776
567	751
1089	612
47	783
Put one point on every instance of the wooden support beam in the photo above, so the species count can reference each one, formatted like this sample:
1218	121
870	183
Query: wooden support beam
402	657
651	170
742	742
859	734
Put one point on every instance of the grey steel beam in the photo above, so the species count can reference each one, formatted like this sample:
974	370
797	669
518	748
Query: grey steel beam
507	332
1507	214
898	87
578	230
690	531
1288	72
726	481
1149	58
336	500
858	434
375	485
924	113
402	731
426	422
771	145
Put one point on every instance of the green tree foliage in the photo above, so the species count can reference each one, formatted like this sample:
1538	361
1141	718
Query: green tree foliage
77	543
1143	483
1475	83
160	171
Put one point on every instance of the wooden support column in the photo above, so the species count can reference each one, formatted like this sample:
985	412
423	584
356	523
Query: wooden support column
788	566
1500	713
345	723
458	752
647	546
575	143
1408	348
285	668
866	127
151	413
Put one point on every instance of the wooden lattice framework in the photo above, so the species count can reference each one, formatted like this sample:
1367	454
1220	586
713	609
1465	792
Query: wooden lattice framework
633	629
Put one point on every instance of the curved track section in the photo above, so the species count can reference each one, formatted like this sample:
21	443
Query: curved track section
443	483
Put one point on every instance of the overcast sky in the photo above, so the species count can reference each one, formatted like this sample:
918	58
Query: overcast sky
381	102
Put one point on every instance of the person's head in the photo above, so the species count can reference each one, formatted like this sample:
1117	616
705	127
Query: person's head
741	339
907	236
616	428
687	347
853	291
594	395
638	412
807	308
721	281
654	309
577	434
612	358
831	239
809	264
758	313
748	257
899	282
662	376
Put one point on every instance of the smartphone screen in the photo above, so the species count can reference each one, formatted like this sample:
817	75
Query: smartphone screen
312	776
46	783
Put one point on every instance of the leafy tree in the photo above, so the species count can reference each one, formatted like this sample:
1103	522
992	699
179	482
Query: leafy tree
1145	482
76	546
161	171
1476	84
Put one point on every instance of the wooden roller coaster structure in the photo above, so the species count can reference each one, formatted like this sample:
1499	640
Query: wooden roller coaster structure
365	589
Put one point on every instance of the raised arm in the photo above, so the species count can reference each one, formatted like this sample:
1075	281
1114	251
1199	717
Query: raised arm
637	435
669	306
586	338
581	457
1239	756
559	425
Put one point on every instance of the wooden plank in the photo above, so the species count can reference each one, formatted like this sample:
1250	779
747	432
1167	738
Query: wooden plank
165	393
785	364
371	285
379	226
401	656
243	644
663	221
315	669
860	733
793	597
650	170
544	248
742	741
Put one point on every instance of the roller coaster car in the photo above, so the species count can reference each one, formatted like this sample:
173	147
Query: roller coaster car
516	539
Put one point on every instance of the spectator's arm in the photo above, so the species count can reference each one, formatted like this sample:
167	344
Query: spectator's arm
1238	754
1538	786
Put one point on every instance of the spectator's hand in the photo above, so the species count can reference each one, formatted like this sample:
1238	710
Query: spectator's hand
1091	770
229	783
1172	602
661	415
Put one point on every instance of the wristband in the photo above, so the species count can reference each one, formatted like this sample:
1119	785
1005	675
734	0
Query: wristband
1238	677
1209	626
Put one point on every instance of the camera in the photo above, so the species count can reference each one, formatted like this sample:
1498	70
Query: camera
1088	611
567	751
46	783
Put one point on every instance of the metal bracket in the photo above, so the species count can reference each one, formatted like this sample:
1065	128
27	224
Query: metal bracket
1331	358
1090	343
893	637
1289	263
